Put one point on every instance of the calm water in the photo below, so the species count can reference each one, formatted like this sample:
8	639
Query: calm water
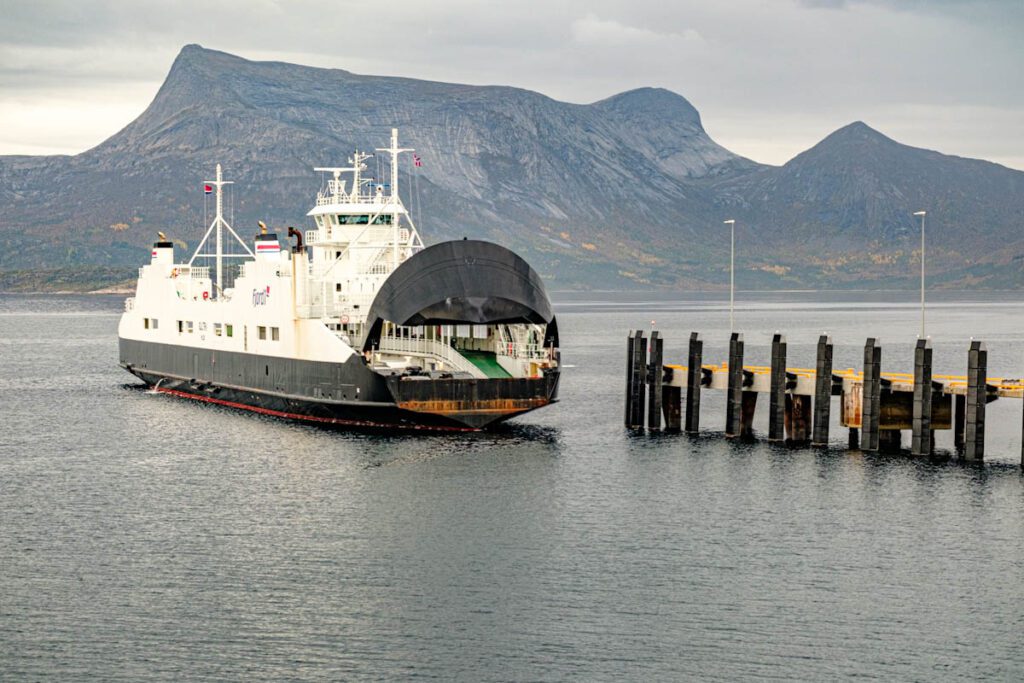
146	537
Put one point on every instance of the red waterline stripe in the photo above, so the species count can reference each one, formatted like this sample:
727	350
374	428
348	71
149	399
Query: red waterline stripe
310	418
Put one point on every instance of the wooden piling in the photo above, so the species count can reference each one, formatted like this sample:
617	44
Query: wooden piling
777	397
822	391
672	407
871	400
960	407
977	396
734	395
922	442
655	376
747	409
694	377
798	419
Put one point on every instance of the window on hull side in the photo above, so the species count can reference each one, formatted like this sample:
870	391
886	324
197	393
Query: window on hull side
261	332
275	334
229	330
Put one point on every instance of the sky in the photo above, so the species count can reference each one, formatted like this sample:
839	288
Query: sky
770	77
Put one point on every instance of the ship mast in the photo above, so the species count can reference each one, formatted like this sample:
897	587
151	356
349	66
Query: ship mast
219	183
394	150
219	224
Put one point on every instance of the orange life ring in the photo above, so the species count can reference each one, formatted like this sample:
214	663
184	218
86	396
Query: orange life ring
174	272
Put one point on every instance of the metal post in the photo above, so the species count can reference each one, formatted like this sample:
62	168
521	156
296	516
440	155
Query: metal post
732	270
922	441
630	378
872	395
977	379
734	398
922	215
777	398
694	378
639	374
822	391
655	375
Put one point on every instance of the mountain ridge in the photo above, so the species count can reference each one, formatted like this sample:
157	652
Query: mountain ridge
626	191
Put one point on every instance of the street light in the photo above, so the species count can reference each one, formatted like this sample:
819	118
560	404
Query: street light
732	269
922	215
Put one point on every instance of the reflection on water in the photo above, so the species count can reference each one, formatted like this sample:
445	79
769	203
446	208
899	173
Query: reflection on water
145	536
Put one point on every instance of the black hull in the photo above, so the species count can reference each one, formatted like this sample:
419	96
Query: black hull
346	394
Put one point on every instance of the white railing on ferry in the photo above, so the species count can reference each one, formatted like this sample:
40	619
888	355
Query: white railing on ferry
428	347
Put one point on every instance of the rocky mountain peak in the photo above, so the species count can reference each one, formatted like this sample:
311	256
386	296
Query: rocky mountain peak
656	103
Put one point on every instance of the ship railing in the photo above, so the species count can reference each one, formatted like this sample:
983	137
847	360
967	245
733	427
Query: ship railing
328	198
420	346
524	351
129	304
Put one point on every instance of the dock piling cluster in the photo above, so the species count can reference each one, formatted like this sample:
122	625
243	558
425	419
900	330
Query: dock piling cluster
876	407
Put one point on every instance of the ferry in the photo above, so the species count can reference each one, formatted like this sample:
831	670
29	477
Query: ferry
352	323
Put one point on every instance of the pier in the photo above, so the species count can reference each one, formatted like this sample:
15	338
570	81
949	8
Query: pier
875	407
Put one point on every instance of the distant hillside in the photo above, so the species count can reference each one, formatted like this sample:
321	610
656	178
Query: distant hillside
626	192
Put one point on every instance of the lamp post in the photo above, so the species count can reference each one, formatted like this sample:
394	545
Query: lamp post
732	269
922	215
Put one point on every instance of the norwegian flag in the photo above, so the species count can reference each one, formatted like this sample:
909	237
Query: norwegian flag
416	161
207	189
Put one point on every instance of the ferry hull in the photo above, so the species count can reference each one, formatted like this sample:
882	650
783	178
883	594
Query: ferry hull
345	394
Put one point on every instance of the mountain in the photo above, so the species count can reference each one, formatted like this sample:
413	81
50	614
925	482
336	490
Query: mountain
844	207
628	191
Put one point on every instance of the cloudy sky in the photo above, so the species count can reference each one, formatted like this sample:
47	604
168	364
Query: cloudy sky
770	77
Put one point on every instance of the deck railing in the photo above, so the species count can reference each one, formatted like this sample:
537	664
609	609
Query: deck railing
419	346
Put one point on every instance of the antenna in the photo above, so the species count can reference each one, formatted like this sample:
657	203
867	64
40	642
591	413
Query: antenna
394	150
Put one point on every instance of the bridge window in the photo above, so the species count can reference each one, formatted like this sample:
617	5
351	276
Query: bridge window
383	219
361	219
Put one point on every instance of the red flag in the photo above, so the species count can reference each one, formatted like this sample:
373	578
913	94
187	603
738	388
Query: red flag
207	189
